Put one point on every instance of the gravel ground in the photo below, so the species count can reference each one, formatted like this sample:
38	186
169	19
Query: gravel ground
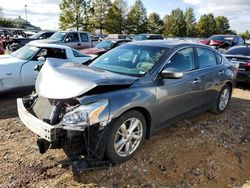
207	150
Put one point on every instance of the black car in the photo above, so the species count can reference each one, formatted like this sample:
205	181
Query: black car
148	37
240	55
17	43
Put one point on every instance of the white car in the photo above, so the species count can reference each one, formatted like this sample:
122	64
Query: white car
17	69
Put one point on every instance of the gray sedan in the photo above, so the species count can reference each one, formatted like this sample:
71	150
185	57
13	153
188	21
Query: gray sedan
108	108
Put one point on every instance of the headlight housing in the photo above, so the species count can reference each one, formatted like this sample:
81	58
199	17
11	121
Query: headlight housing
85	115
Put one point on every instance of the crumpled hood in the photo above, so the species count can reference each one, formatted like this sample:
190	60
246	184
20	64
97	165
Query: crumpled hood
67	80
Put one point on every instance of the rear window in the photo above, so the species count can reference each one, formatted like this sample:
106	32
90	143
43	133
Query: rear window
78	54
84	37
239	51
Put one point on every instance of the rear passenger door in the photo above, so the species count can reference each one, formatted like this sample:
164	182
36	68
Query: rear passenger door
211	72
86	41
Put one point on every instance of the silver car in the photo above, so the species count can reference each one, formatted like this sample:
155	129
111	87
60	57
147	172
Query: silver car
107	109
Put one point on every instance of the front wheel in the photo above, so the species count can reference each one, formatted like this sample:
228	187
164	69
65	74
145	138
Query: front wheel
126	137
223	100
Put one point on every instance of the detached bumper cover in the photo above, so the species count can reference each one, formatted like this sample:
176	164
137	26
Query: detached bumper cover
42	129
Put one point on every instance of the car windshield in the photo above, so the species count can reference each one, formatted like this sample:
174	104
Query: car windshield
26	52
239	51
35	36
131	60
104	45
59	36
140	37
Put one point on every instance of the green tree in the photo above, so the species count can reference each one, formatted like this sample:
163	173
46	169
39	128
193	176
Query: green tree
155	24
206	25
174	24
246	34
190	22
4	22
74	14
101	9
116	17
222	25
137	18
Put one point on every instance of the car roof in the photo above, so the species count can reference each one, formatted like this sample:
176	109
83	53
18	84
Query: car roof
116	40
225	35
165	43
44	45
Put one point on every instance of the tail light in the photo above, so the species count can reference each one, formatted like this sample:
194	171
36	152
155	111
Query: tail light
247	64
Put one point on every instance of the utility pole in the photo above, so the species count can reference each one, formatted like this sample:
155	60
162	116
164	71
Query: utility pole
25	6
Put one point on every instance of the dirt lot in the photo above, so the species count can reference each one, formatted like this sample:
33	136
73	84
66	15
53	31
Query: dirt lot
203	151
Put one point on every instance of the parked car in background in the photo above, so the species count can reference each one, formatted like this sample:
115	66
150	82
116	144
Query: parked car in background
1	48
73	39
17	69
118	36
104	46
224	41
17	43
240	55
106	110
148	37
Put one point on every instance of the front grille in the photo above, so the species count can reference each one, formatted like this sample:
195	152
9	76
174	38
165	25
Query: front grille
42	108
51	110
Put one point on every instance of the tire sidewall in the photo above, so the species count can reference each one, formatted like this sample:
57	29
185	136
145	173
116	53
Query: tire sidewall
218	100
110	150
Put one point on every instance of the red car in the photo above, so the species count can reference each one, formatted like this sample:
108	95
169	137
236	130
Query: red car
1	48
224	41
104	46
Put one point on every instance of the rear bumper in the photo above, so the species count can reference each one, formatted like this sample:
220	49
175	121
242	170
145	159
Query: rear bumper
37	126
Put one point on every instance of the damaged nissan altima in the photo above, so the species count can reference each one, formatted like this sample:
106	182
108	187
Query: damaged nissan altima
106	109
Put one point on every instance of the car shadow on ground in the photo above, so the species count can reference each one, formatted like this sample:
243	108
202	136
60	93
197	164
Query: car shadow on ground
8	103
244	86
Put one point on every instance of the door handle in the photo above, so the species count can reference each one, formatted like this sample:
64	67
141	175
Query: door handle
79	44
221	72
196	81
9	74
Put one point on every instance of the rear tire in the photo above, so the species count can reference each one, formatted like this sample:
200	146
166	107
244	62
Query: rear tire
126	136
222	100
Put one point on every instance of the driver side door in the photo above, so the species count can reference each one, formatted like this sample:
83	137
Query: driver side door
177	97
28	74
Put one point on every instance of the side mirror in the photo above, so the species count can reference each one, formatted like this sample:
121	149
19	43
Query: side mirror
41	58
171	74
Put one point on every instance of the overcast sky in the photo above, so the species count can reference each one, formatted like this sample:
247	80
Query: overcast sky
45	13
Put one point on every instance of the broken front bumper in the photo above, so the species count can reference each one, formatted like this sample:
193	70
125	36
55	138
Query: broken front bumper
42	129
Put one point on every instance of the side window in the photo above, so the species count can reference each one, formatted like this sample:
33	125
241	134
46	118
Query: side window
72	37
84	37
241	41
206	58
219	59
43	53
51	53
182	61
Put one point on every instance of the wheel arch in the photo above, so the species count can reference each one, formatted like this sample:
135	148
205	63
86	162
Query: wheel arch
146	115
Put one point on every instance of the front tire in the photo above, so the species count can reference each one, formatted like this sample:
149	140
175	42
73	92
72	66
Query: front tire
223	100
126	137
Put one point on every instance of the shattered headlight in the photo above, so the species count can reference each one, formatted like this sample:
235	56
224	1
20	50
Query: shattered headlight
85	115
